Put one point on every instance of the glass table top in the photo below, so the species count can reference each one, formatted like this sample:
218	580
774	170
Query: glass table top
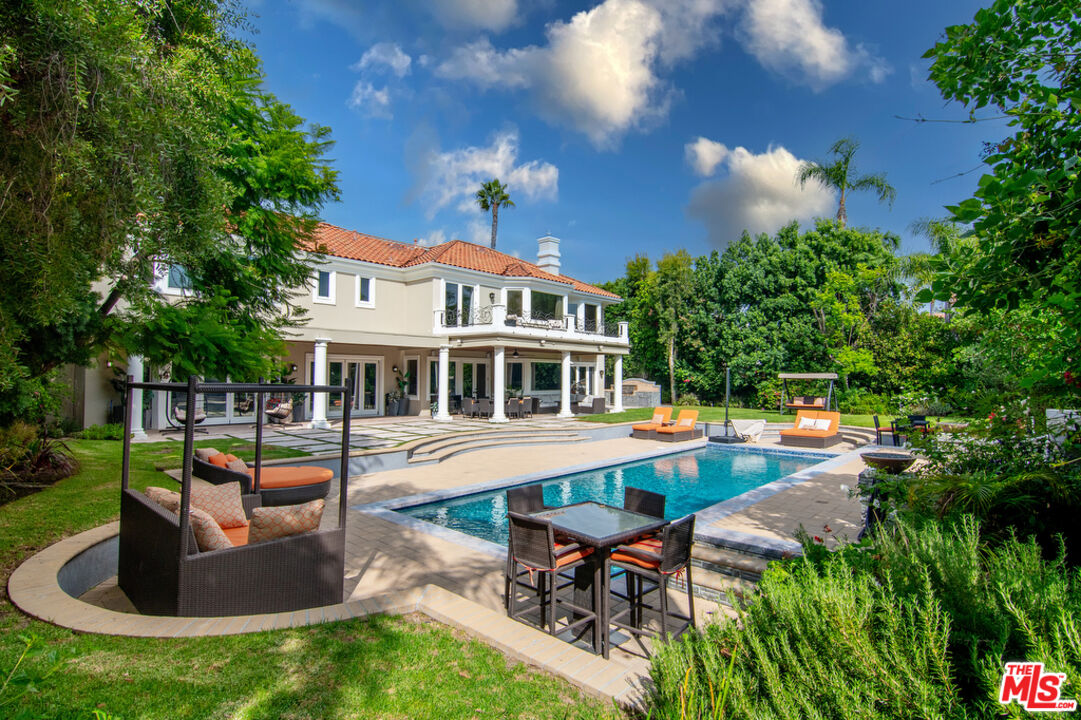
597	523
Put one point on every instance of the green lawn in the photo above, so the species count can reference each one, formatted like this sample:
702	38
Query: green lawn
379	668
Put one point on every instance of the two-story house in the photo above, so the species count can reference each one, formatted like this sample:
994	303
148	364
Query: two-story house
452	320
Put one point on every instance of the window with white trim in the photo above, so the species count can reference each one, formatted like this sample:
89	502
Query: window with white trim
365	291
324	287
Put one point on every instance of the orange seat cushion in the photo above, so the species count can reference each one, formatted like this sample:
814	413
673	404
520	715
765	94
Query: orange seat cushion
646	427
635	560
288	477
649	545
572	556
237	535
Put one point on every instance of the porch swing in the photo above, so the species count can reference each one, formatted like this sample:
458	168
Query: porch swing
162	570
807	402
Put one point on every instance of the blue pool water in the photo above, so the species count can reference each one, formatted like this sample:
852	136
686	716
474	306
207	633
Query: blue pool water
691	481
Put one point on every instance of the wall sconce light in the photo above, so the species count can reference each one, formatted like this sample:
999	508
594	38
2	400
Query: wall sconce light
515	353
394	369
293	368
491	298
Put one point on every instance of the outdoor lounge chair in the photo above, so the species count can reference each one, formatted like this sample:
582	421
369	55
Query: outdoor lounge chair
590	405
749	430
279	411
648	431
805	433
278	485
180	415
683	429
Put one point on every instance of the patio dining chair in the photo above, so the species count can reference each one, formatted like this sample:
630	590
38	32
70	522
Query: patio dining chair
484	407
879	430
527	407
533	547
513	407
646	503
660	565
469	407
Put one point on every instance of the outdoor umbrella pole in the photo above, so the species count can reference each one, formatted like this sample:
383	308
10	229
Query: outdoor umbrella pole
727	388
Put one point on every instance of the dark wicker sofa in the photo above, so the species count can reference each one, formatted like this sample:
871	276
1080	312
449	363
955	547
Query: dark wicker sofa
272	491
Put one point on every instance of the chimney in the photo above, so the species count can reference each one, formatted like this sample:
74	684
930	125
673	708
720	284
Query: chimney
548	254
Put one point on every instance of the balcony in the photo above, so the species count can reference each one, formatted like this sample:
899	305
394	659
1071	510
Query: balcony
494	319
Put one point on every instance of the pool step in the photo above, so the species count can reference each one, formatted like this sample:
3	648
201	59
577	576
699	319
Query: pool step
438	450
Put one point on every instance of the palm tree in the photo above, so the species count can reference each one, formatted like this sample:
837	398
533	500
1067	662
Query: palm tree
841	175
491	195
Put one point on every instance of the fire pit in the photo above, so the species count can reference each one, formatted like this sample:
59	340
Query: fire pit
892	462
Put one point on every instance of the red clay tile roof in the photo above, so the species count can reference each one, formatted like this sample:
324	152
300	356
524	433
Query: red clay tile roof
456	253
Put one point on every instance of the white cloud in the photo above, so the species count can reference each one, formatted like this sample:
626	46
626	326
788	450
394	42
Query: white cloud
789	37
453	177
758	194
598	72
435	237
385	54
704	155
494	15
371	101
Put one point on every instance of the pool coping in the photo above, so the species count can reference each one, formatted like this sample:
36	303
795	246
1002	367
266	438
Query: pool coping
734	539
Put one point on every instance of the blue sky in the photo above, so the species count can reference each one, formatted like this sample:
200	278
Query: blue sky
621	127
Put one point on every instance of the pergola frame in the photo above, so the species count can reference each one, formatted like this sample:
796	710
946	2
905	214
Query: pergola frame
163	573
785	377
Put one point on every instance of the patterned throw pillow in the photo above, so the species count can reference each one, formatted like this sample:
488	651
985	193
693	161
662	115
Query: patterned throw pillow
205	454
166	498
221	502
237	465
208	534
268	523
806	423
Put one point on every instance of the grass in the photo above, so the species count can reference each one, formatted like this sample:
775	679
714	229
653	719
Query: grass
716	414
377	668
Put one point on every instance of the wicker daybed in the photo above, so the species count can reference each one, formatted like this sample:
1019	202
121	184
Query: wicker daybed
162	571
813	437
276	484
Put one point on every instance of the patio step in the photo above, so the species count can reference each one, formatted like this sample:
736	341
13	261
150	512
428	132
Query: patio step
434	451
720	571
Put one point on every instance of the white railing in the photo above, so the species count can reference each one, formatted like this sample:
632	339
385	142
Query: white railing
494	318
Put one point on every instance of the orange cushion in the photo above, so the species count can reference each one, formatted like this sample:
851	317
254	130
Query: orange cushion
641	562
287	477
572	556
647	426
237	535
670	429
268	523
221	460
795	432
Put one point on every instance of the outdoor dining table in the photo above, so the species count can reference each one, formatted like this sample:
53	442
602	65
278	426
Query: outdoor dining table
600	527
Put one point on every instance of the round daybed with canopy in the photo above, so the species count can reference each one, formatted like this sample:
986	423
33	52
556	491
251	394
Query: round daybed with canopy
807	402
163	572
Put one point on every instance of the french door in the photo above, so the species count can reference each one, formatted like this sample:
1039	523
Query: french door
363	375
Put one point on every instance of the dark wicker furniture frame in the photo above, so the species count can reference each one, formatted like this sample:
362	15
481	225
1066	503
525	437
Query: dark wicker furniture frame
675	559
812	442
163	572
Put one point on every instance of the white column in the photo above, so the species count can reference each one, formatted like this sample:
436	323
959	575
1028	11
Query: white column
444	383
527	377
598	376
565	387
499	385
617	385
319	400
135	369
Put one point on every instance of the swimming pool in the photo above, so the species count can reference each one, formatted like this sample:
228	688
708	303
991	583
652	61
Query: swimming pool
690	480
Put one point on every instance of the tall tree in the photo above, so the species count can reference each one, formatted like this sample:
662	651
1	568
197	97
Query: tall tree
674	295
841	175
491	196
1021	58
137	138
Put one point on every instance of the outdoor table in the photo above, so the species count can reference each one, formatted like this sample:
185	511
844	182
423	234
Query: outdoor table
600	527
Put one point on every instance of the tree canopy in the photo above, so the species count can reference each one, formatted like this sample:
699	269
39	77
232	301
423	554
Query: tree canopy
1021	58
138	138
841	175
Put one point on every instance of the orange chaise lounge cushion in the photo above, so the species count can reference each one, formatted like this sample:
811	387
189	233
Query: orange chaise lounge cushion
686	421
661	415
288	477
795	431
